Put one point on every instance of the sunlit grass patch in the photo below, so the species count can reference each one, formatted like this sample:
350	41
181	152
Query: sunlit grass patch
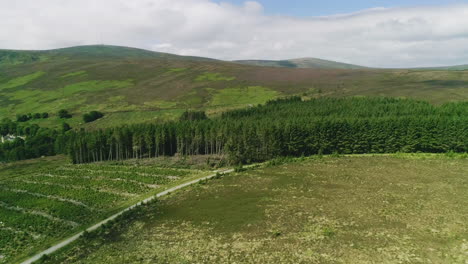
94	86
175	70
73	74
20	81
209	76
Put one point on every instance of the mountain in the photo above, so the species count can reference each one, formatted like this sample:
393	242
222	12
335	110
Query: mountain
133	85
312	63
10	57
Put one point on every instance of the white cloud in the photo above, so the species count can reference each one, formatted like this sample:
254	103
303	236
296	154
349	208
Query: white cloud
400	37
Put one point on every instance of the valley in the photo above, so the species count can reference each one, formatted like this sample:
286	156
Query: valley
332	162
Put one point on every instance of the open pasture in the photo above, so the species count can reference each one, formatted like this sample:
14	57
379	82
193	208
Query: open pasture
355	209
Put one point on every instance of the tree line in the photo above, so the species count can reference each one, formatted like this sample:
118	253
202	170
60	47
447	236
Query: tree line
284	127
288	127
29	141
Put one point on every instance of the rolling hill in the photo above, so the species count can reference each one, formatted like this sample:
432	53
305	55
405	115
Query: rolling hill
312	63
133	85
12	57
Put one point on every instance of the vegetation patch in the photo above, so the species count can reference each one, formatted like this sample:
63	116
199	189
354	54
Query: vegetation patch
326	210
92	116
160	104
250	95
175	70
20	81
95	86
213	77
114	119
73	74
43	201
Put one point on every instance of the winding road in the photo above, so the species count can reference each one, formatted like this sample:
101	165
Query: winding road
96	226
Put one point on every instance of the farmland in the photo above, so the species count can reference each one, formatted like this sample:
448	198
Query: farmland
403	208
42	201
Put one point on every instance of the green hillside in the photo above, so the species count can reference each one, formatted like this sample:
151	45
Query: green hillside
312	63
13	57
133	85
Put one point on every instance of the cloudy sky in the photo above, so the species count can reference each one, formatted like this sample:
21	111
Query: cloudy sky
379	33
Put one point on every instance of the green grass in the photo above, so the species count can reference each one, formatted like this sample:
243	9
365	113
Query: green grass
177	70
95	86
45	200
20	81
213	77
357	209
73	74
251	95
133	117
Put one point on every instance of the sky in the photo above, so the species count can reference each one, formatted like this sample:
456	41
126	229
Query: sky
375	33
309	8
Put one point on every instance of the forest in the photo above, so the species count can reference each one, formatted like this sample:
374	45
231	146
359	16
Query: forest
288	127
283	127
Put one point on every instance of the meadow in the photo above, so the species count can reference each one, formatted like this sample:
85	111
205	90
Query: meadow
45	200
402	208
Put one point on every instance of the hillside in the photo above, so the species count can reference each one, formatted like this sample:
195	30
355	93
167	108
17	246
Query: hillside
132	85
14	57
312	63
450	68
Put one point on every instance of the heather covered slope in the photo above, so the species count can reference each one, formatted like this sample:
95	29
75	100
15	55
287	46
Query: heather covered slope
132	85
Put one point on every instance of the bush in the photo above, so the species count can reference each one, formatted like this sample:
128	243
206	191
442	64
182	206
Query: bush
22	118
45	115
92	116
64	114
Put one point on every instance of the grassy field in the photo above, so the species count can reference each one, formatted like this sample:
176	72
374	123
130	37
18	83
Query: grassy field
358	209
115	80
42	201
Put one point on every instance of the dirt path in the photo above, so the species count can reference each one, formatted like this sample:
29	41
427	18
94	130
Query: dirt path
96	226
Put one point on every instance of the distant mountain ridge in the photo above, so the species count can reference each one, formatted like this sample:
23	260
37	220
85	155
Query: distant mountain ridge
312	63
86	52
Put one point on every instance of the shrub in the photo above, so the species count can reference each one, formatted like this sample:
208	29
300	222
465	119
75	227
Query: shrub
64	114
92	116
22	118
